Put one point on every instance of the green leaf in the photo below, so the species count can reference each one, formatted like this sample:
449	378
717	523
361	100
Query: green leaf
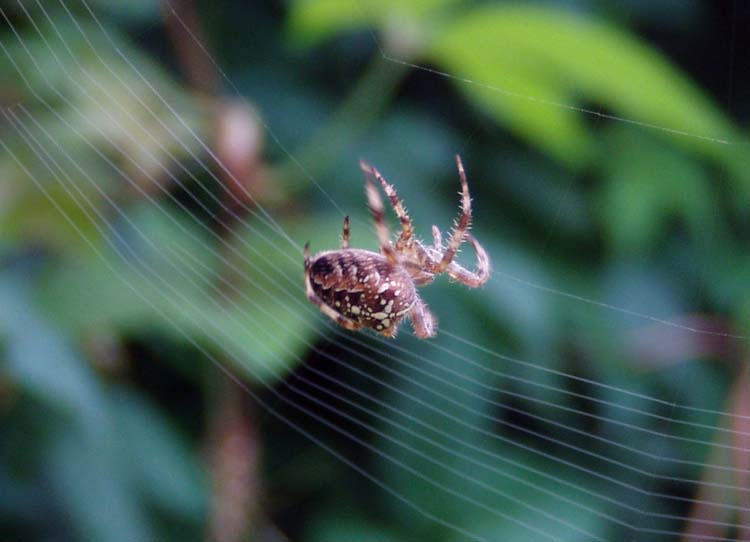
39	360
641	197
311	21
82	473
532	66
86	118
156	458
91	487
130	280
266	340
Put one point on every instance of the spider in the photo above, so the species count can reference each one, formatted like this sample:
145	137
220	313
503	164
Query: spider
358	288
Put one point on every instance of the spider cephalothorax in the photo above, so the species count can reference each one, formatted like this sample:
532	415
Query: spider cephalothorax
359	288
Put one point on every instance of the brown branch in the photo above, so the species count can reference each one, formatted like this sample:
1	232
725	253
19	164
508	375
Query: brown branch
234	441
741	410
234	458
708	505
187	37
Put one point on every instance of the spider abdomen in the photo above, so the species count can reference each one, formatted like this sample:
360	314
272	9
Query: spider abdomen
362	286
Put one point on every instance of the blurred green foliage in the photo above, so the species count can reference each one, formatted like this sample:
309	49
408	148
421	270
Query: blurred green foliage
604	165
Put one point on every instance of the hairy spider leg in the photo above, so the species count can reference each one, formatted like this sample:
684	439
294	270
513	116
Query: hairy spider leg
421	268
345	235
437	238
461	225
425	324
325	309
376	208
390	331
472	279
407	228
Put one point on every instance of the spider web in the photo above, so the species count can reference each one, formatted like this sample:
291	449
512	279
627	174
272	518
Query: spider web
519	448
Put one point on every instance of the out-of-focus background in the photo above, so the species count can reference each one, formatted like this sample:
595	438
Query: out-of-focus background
162	376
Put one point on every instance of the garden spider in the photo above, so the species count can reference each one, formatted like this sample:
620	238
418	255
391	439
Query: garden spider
359	288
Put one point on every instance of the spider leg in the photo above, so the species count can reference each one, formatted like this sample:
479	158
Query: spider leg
472	279
461	225
425	324
390	332
418	271
407	229
376	209
437	238
345	236
424	279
